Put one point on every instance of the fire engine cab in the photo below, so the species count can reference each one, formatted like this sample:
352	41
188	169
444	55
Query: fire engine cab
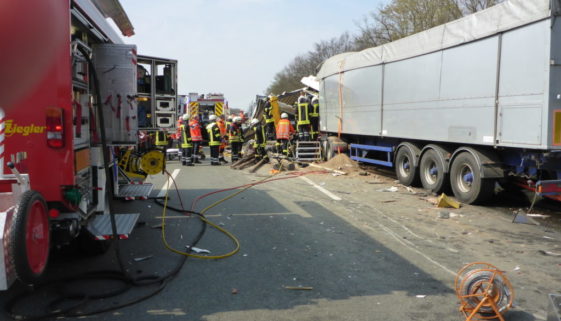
69	140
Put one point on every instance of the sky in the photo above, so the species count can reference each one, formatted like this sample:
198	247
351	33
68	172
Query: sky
235	47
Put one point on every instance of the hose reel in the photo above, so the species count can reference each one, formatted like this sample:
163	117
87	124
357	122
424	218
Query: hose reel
484	292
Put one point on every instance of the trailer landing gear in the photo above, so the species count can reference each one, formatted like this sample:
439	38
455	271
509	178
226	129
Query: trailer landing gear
30	240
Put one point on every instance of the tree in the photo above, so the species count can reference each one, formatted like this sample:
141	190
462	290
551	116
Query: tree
304	65
397	19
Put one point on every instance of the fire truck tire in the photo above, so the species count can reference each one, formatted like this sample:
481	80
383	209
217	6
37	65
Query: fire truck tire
30	239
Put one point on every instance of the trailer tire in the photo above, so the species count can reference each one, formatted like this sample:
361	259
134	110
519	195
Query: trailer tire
30	239
466	181
329	151
432	172
405	170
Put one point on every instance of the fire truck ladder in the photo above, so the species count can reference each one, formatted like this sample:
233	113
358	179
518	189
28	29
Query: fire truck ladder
308	151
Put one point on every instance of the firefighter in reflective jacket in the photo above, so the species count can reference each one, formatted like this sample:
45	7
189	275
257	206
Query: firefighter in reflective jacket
284	133
185	142
303	124
269	120
236	138
214	140
196	137
314	118
223	138
260	138
161	139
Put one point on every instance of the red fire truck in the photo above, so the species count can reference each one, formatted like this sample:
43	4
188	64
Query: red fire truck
65	127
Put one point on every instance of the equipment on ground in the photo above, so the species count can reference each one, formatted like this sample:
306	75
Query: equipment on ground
459	106
484	292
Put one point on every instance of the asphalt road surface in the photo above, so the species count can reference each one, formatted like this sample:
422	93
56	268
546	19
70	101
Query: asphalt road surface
315	247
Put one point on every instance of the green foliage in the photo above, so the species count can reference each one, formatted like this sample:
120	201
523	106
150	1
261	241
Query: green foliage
397	19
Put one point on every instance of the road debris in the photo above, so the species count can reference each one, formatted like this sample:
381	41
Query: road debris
549	253
389	189
445	201
235	291
443	214
197	250
144	258
304	288
538	215
421	296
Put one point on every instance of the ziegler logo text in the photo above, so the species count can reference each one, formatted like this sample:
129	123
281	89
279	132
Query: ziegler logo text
12	128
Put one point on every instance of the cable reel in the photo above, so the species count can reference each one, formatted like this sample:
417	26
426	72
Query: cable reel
153	162
484	292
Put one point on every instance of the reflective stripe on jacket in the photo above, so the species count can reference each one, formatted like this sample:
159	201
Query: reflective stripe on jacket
284	129
303	111
315	108
235	133
268	113
195	128
186	141
260	137
161	138
213	134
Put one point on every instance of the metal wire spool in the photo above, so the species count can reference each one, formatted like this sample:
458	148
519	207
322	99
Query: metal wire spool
483	290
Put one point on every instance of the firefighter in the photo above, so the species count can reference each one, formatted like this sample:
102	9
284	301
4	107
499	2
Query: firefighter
185	142
284	133
196	137
260	138
303	124
177	135
314	118
214	140
223	138
269	120
161	139
236	138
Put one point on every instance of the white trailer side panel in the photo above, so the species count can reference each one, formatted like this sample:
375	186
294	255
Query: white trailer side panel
411	92
362	101
523	86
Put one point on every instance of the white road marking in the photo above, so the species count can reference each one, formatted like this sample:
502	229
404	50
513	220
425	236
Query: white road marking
169	183
233	214
321	189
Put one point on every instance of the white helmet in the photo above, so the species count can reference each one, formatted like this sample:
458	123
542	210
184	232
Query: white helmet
284	115
254	121
237	119
212	117
185	117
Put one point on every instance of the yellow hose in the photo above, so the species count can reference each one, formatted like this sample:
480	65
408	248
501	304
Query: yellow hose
205	220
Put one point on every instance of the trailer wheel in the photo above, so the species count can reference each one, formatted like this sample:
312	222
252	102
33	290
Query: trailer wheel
329	150
405	170
467	184
30	239
431	171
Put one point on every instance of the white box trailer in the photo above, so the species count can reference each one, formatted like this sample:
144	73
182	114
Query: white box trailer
483	91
